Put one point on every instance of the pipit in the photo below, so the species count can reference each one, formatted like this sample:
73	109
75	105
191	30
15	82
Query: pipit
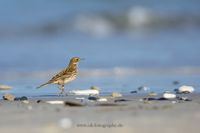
65	76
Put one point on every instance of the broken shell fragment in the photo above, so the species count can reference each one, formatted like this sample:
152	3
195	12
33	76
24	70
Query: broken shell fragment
55	102
9	97
102	99
99	99
185	89
85	92
116	94
169	95
5	87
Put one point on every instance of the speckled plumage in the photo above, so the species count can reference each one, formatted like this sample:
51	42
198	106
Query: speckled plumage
65	76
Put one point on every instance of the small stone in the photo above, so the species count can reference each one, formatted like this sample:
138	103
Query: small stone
21	98
39	101
8	97
185	89
143	88
133	91
5	87
176	82
121	100
184	98
93	98
73	104
116	94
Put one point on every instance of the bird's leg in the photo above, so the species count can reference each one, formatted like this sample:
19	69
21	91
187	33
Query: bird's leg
62	88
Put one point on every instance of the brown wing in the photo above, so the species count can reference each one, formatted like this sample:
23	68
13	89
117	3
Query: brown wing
66	73
57	76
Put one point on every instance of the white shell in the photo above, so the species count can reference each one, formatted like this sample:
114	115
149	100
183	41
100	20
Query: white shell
185	89
169	95
5	87
102	100
116	94
84	92
55	102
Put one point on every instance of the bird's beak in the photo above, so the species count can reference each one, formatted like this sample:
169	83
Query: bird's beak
82	59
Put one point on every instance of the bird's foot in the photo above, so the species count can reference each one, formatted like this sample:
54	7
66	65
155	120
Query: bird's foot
62	93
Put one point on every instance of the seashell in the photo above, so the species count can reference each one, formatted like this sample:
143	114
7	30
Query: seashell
25	101
8	97
169	95
116	94
85	92
55	102
102	99
5	87
185	89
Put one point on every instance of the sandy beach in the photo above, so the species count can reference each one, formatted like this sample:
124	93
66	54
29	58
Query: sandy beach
133	115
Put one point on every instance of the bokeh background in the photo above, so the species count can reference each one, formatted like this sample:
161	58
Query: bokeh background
125	43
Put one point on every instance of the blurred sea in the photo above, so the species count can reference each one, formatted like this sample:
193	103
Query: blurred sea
125	44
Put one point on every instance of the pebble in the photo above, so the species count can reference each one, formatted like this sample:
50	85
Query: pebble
74	104
39	101
133	91
5	87
65	123
185	89
184	98
92	98
21	98
176	82
143	88
121	100
8	97
169	95
99	99
116	94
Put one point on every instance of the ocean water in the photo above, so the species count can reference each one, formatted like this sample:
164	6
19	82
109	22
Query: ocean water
160	39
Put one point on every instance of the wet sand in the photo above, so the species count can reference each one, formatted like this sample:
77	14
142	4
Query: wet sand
131	116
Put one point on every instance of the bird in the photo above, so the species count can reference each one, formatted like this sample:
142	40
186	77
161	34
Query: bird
65	76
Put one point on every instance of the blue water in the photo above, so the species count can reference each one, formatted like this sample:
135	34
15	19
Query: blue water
42	35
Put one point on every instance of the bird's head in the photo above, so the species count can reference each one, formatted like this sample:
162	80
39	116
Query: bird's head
75	60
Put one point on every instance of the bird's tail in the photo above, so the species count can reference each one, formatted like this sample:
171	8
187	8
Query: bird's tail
42	85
